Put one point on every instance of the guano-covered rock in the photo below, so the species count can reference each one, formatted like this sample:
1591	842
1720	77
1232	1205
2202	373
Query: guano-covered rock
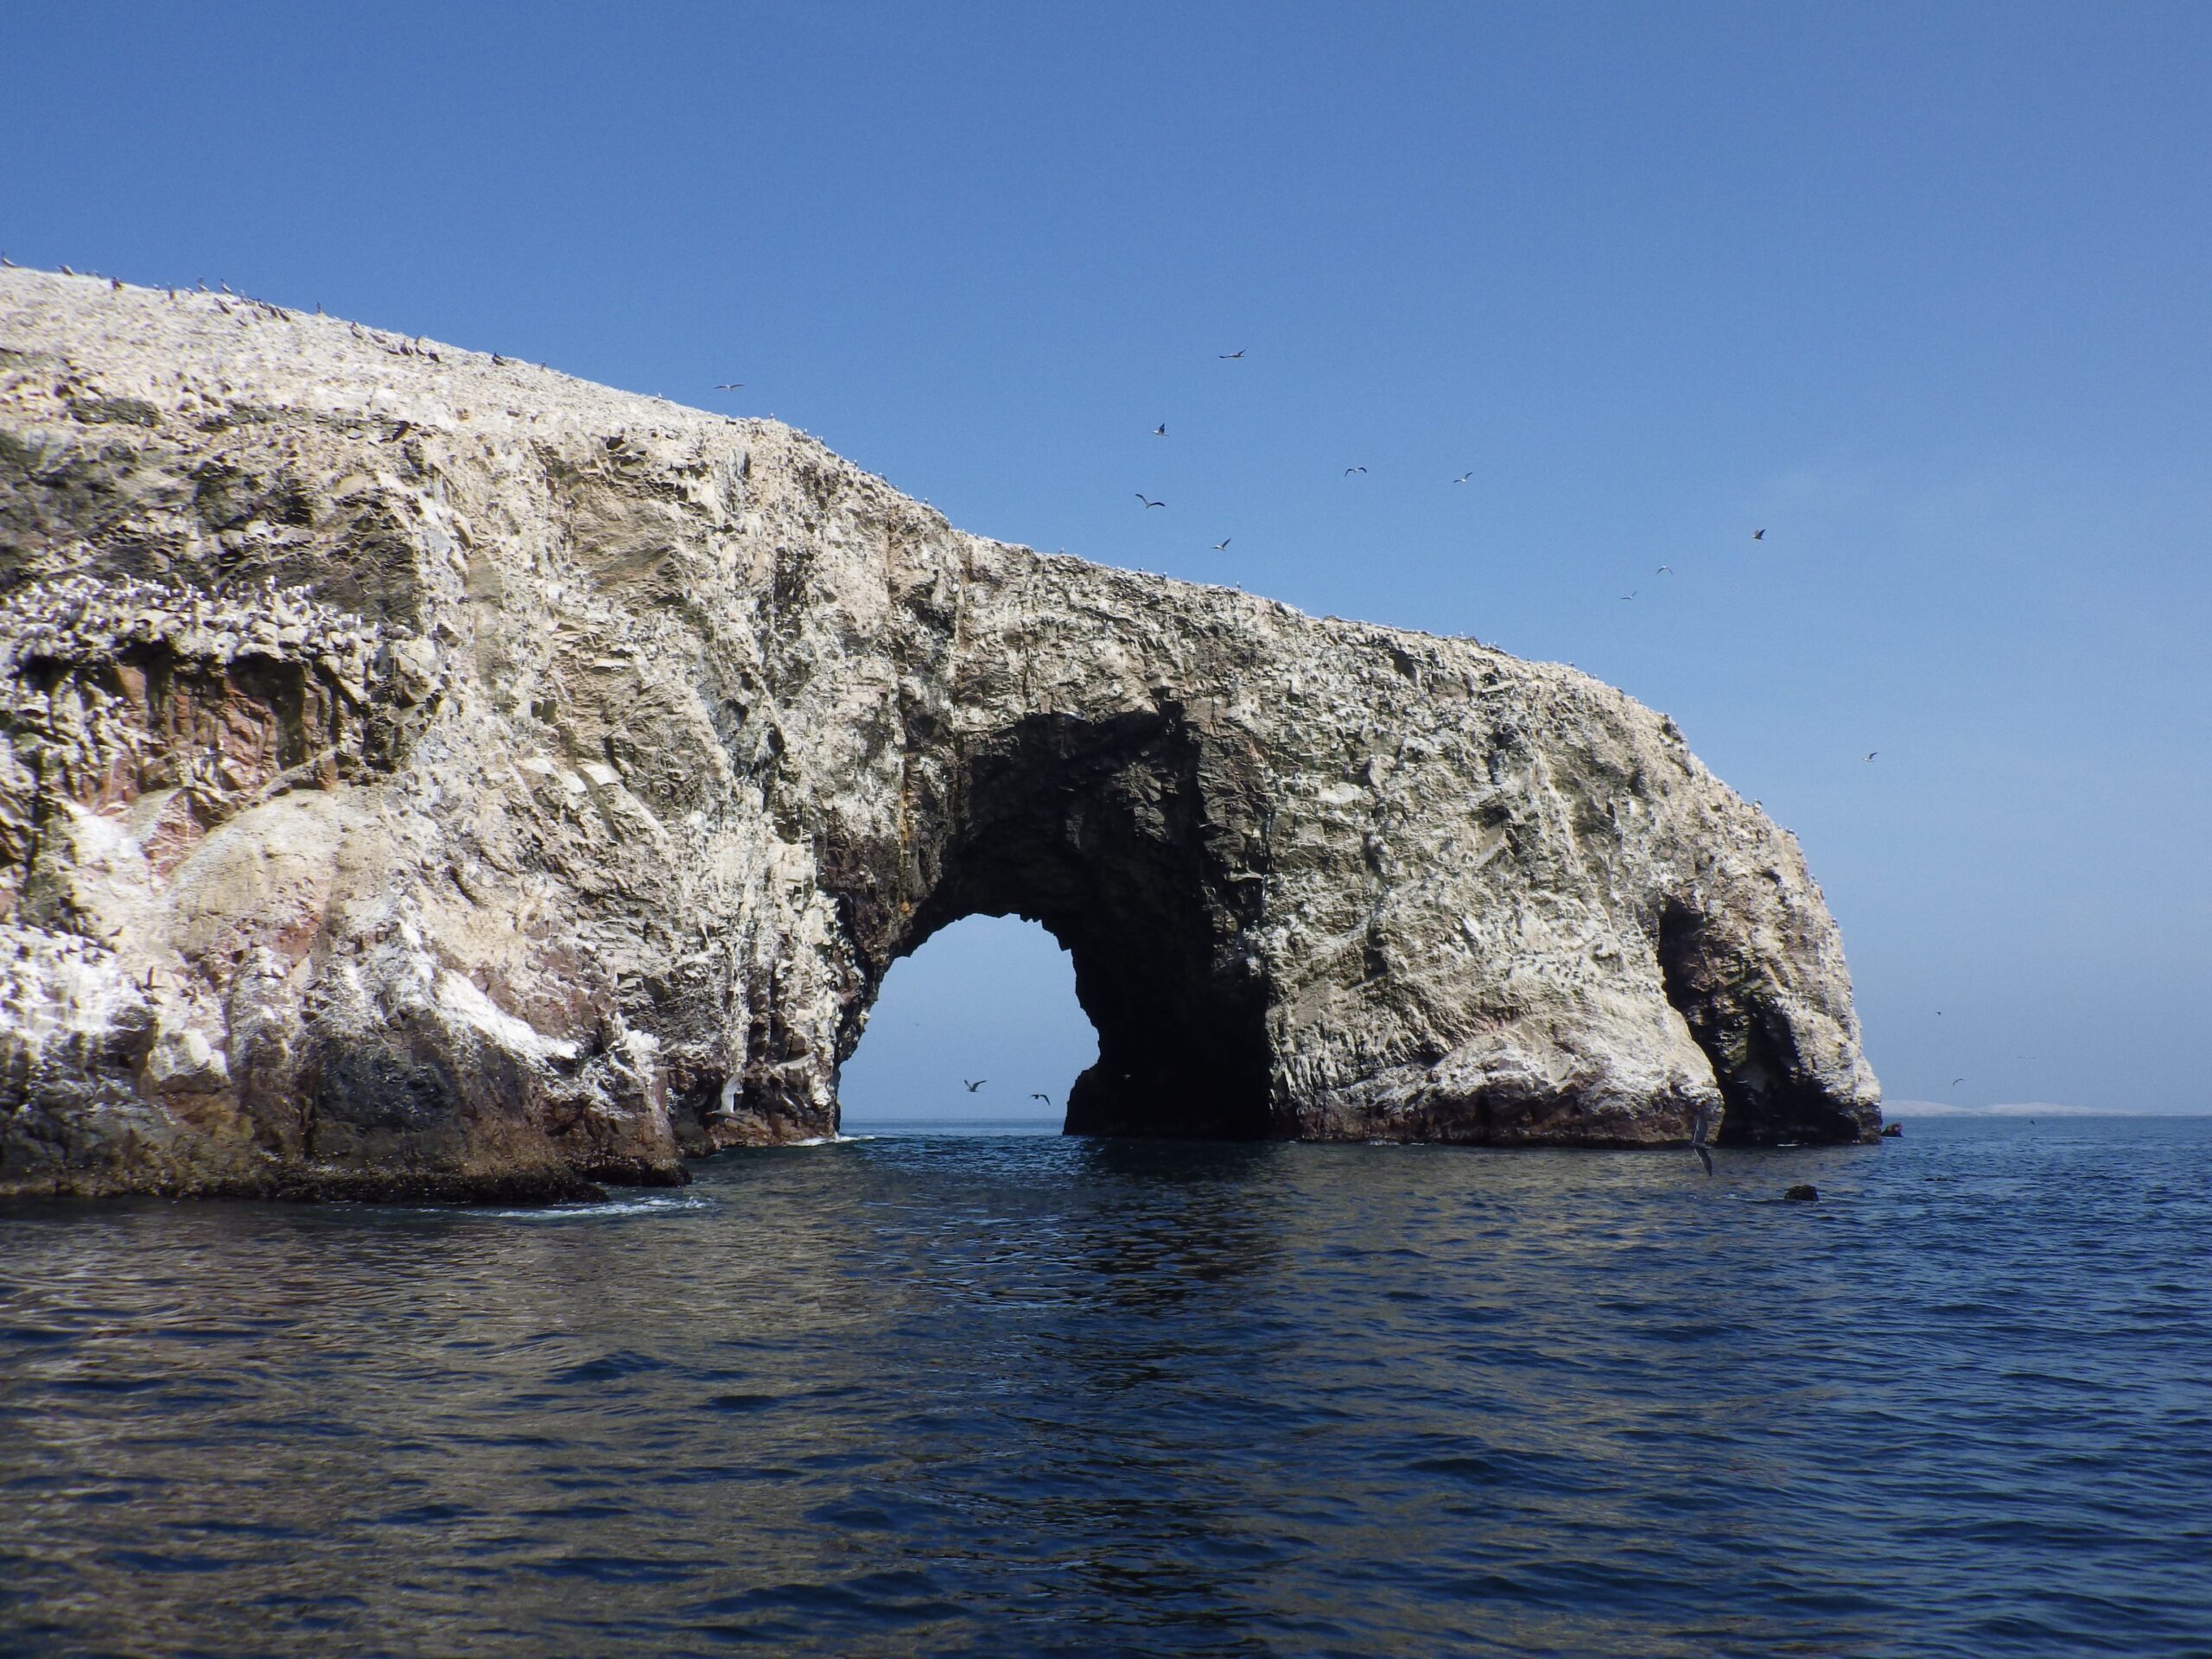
428	775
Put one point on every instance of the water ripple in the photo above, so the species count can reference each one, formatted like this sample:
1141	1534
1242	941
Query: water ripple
1030	1397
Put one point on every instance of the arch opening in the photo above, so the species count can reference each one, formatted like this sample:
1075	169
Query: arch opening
988	1000
1735	1017
1108	833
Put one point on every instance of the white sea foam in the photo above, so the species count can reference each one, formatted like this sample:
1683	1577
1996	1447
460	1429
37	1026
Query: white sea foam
658	1204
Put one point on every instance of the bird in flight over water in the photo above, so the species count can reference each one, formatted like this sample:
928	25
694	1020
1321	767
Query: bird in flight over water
1758	535
1226	357
1222	545
1697	1143
1047	1099
1148	501
973	1087
1159	431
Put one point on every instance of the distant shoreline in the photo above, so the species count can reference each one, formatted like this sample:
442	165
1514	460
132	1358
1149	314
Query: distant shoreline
1905	1108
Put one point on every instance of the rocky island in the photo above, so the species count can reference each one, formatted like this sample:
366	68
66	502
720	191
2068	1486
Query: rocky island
426	775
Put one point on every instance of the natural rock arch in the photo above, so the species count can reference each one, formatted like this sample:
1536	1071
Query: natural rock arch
428	773
1102	831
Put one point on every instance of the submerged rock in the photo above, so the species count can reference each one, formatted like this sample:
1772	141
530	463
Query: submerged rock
420	771
1801	1195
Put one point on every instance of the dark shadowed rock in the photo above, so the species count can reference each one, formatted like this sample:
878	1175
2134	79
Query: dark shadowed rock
1802	1194
424	769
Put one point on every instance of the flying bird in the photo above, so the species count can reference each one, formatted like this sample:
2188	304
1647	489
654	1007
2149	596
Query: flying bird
1463	478
1047	1099
731	385
1226	357
1758	535
973	1087
1148	501
1222	545
1666	569
1159	431
1870	754
1632	594
1349	471
1955	1082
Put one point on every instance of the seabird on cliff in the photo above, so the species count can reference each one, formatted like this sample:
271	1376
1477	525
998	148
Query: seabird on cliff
973	1087
1148	501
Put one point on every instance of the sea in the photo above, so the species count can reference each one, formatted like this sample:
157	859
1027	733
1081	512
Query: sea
982	1391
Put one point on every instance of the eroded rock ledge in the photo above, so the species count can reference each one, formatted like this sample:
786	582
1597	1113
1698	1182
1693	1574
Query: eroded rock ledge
426	775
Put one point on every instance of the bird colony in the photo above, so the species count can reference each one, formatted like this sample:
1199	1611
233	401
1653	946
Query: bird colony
426	775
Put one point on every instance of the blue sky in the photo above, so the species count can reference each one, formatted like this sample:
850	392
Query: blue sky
1920	289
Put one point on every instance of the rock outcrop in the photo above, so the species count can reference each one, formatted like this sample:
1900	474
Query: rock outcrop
422	774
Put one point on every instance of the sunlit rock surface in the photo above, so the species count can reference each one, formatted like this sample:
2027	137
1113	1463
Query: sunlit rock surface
427	775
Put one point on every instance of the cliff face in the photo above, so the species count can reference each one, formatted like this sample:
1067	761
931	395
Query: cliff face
426	774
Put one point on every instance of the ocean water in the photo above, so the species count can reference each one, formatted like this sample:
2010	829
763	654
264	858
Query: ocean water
1014	1395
